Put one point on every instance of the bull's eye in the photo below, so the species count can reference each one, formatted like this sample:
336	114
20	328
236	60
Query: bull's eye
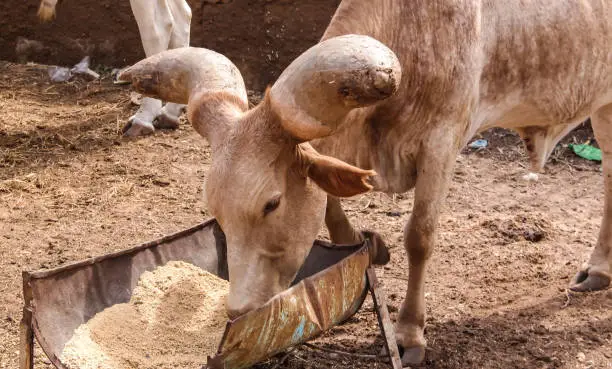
272	205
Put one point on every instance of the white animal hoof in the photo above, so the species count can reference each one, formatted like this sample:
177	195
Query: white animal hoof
531	177
136	98
136	127
166	121
413	356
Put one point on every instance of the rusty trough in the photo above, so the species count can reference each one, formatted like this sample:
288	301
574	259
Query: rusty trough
330	287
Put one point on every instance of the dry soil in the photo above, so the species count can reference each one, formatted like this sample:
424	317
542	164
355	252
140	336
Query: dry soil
260	37
71	187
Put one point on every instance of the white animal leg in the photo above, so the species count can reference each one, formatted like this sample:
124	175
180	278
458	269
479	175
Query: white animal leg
155	26
434	166
179	37
596	274
181	23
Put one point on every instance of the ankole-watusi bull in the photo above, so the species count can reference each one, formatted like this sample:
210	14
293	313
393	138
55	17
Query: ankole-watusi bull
347	116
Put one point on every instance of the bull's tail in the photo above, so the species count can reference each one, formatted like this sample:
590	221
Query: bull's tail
46	10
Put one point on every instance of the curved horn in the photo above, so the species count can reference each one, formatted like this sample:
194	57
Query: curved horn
176	75
315	93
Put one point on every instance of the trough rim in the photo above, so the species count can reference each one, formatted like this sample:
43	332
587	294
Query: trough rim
29	310
30	320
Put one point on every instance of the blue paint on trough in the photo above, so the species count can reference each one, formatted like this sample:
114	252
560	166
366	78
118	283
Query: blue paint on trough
299	331
321	298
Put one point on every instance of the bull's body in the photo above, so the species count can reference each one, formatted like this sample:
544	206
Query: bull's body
469	66
537	66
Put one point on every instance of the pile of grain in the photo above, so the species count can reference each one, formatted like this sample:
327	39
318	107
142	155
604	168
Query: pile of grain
175	318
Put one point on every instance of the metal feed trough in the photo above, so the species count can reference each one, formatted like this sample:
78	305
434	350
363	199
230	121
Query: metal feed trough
330	288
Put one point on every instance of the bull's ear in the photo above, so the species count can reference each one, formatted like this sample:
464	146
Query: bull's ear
334	176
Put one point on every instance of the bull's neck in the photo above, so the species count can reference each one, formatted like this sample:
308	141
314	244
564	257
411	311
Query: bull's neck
365	18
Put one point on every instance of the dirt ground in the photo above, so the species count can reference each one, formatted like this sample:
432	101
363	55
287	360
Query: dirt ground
71	187
274	33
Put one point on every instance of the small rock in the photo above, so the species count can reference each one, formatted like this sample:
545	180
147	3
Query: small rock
531	177
161	182
533	235
581	357
546	359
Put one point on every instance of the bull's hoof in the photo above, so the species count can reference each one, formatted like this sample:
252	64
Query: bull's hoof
380	252
412	355
588	280
166	121
137	127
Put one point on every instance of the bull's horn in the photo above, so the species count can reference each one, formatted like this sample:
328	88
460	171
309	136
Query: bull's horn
176	75
315	93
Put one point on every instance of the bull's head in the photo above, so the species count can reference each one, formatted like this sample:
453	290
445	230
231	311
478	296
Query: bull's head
267	186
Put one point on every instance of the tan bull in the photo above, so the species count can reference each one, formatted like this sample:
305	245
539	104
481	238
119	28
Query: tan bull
539	67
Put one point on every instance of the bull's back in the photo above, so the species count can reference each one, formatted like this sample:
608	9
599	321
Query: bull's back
551	57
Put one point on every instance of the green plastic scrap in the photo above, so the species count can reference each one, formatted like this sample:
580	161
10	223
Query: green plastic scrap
586	151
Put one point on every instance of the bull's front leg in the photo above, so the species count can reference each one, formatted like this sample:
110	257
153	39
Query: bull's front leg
342	232
434	167
597	273
340	229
